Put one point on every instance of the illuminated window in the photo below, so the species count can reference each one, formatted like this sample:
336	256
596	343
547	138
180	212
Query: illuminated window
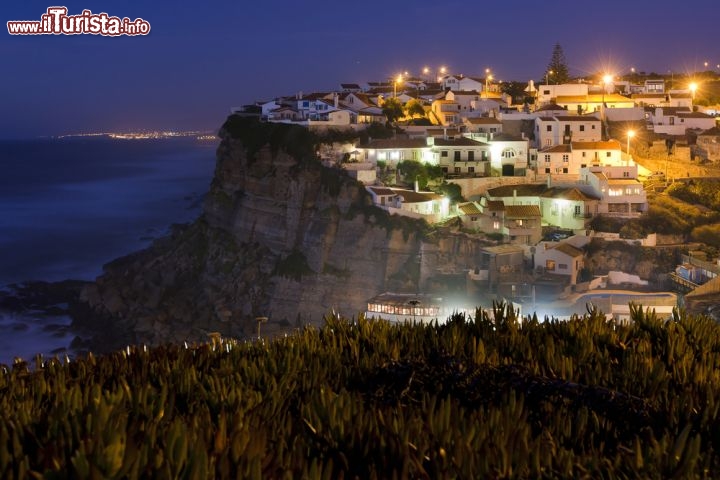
395	155
550	265
496	225
382	156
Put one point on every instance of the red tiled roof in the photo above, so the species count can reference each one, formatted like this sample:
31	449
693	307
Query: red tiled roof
522	211
569	250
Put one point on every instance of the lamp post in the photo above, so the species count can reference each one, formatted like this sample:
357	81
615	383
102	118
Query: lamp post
630	134
693	88
547	76
488	78
395	84
605	80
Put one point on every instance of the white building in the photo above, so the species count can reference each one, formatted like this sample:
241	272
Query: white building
565	161
621	193
559	259
429	206
564	129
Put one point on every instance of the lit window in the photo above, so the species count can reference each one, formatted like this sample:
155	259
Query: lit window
550	265
496	225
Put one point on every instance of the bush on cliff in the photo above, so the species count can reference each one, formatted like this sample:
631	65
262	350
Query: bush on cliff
483	397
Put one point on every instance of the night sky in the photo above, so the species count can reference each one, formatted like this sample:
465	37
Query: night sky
197	62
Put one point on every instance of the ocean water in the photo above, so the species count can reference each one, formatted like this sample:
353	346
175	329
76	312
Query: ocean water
68	206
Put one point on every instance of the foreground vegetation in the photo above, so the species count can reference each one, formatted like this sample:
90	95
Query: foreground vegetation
475	398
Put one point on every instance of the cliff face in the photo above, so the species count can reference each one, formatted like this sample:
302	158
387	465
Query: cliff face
281	237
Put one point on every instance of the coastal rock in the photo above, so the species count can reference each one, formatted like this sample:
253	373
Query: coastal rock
280	237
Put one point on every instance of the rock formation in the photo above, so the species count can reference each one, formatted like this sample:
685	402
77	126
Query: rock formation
281	237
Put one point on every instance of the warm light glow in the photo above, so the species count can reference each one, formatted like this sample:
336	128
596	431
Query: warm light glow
399	79
426	70
631	133
607	79
443	70
487	70
693	87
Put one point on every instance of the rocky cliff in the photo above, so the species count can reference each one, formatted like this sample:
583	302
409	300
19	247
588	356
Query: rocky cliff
281	237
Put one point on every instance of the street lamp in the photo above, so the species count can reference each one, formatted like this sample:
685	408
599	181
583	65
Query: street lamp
488	78
693	88
547	76
395	84
630	134
605	80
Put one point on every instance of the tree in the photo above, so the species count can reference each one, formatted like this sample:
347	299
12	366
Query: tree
392	109
414	108
558	66
517	91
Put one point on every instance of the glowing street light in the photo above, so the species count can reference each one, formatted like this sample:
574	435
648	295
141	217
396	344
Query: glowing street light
395	84
693	87
605	80
630	134
488	78
547	76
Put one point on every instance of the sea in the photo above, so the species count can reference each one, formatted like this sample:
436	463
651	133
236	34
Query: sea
69	205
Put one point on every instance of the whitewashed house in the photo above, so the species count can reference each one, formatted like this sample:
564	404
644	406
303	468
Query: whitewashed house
621	193
559	259
461	156
395	150
676	121
429	206
563	129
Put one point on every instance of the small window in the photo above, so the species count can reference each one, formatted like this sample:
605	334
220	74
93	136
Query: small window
547	158
471	169
562	266
593	127
550	265
549	128
565	170
457	155
443	153
457	169
608	154
582	128
566	158
547	170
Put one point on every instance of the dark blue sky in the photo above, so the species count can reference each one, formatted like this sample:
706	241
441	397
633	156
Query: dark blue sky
198	61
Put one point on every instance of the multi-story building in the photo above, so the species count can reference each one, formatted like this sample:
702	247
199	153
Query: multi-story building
558	130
